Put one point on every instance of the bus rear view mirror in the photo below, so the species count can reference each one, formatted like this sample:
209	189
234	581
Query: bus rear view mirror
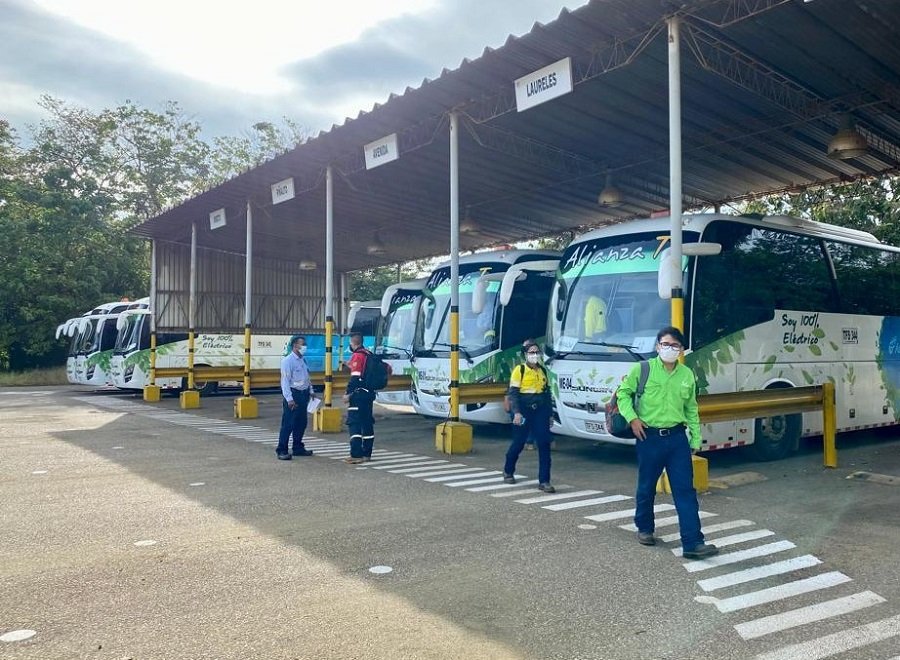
670	272
479	295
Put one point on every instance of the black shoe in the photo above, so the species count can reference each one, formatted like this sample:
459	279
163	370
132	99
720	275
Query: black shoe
646	538
547	488
701	551
283	457
508	478
303	452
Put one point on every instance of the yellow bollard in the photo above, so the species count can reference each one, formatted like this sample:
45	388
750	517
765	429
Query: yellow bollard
453	438
701	476
829	424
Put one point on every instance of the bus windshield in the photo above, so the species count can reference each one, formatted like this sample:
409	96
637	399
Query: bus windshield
607	304
400	325
128	337
477	332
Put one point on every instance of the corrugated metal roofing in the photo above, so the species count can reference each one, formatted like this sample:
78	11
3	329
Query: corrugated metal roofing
764	83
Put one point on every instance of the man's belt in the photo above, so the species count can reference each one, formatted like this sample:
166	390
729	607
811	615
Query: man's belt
652	430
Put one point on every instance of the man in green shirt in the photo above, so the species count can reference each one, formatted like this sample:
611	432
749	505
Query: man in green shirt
667	412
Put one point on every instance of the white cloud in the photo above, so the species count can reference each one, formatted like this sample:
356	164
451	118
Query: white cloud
236	45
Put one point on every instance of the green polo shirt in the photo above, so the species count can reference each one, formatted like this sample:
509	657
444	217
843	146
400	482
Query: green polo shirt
670	398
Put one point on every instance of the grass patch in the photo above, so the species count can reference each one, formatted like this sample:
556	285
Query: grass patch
32	377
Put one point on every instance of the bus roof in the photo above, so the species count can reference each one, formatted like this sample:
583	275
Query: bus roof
699	222
508	257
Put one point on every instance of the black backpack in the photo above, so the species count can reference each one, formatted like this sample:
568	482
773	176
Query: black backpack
375	374
616	424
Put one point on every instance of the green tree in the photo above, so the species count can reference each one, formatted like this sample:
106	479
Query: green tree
871	205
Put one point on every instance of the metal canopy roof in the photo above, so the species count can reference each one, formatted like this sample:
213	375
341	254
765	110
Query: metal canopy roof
765	84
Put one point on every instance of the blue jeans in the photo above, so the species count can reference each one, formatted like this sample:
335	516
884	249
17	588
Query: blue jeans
537	423
293	422
673	453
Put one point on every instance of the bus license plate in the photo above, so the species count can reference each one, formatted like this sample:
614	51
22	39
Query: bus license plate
441	407
594	427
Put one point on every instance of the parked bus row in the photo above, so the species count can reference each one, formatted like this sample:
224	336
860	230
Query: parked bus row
775	302
770	302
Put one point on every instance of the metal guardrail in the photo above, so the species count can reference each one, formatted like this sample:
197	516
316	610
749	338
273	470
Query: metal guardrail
732	406
270	377
727	407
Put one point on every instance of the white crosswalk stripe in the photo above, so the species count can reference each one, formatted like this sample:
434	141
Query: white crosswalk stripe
779	592
627	513
558	496
839	642
809	614
519	490
440	471
741	555
420	462
725	541
707	530
667	522
476	482
437	465
759	572
475	471
595	501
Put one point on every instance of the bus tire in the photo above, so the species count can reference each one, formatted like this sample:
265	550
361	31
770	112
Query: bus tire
205	387
776	437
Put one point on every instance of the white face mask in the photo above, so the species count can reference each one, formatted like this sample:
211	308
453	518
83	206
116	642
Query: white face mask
533	358
302	350
668	354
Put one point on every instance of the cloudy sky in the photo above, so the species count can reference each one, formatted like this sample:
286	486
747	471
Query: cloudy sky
230	65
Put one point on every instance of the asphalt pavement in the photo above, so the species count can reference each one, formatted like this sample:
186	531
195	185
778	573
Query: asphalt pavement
135	530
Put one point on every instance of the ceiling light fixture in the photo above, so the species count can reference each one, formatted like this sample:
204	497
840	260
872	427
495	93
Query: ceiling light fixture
308	264
468	224
610	195
376	247
847	142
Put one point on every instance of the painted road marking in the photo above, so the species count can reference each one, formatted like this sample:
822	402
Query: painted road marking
741	555
563	506
725	541
625	513
799	617
422	462
750	574
436	471
476	482
510	493
416	469
667	522
838	642
719	527
558	496
481	472
779	592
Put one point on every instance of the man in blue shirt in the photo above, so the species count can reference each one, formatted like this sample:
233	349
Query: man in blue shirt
295	390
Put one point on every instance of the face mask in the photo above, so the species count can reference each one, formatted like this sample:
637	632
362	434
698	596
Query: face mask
302	350
668	354
533	358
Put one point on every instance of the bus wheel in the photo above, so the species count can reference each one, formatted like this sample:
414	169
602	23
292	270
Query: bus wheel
205	387
776	437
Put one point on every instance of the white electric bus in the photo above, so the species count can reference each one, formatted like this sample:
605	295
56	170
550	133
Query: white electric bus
394	341
786	302
93	336
130	362
503	297
72	329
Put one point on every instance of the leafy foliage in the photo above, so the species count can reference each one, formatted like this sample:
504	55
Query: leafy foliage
68	201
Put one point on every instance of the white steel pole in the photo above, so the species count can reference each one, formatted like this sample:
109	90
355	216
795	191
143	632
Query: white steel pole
248	299
454	267
675	183
192	306
329	283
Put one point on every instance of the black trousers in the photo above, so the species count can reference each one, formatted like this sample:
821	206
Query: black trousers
293	421
361	423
